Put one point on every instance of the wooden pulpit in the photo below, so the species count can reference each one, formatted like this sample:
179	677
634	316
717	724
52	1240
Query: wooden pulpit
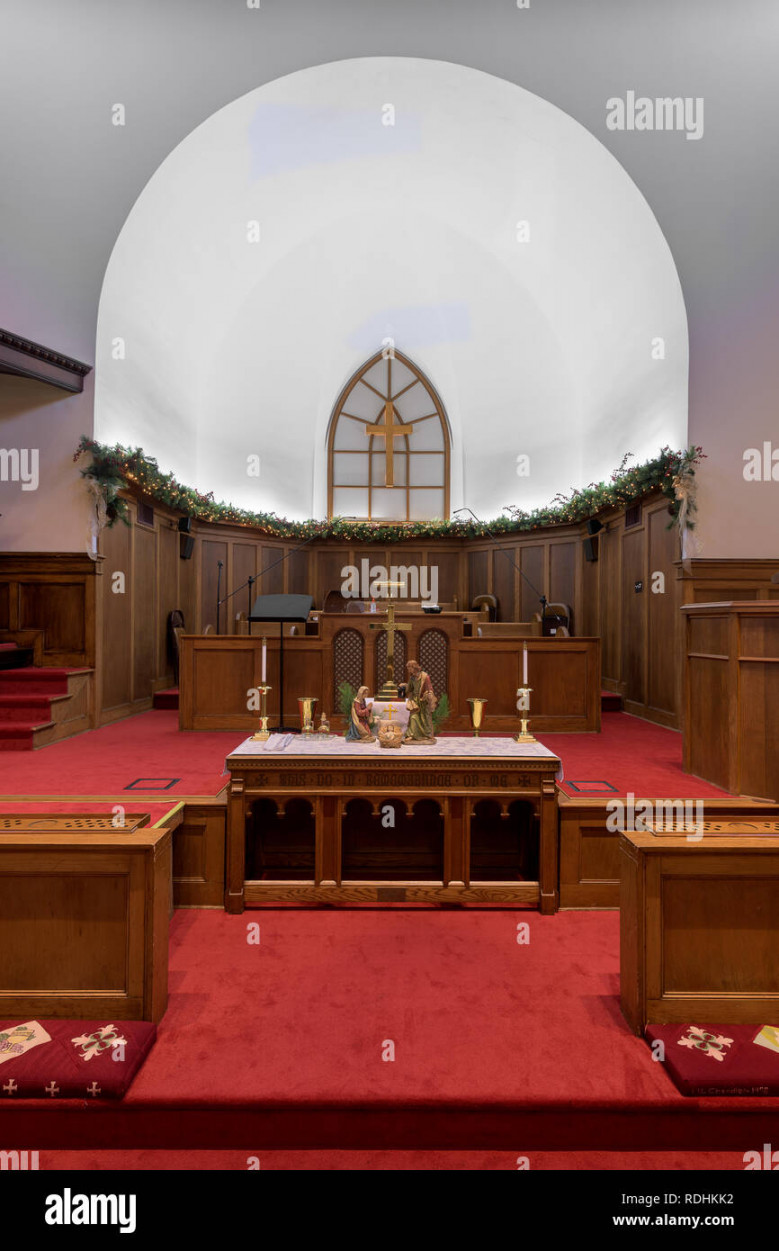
731	722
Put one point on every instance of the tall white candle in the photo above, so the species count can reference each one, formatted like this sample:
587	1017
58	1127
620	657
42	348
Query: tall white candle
524	664
264	660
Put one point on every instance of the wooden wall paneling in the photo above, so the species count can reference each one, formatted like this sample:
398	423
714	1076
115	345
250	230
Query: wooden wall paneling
715	581
634	616
245	564
61	606
504	582
99	904
211	551
410	560
589	850
271	567
532	564
563	561
450	580
188	574
144	611
376	555
664	622
167	597
681	905
759	724
55	596
330	562
117	635
5	606
301	573
611	605
217	671
587	619
199	855
479	574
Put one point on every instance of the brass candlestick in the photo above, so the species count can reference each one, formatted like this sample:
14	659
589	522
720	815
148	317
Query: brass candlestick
523	706
477	714
263	732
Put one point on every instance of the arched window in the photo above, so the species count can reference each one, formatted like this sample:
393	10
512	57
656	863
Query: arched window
388	445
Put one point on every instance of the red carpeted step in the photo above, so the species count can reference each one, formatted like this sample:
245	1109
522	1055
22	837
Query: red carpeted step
166	699
610	702
17	735
34	681
33	709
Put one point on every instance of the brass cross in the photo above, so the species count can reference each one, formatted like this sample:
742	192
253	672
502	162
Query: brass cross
389	690
389	432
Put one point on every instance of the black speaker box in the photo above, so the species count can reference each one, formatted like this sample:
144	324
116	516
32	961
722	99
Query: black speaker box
590	549
186	546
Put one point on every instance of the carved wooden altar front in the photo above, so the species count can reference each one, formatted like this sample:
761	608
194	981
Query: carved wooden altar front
471	829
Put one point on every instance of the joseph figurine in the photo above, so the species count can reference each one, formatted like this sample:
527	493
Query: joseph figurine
420	701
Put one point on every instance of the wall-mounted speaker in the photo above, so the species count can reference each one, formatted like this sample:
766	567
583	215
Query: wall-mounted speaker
593	525
185	525
590	549
186	546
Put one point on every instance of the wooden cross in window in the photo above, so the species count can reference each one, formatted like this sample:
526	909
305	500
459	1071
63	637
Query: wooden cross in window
389	432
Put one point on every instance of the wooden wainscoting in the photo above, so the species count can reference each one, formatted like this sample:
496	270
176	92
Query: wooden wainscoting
732	695
699	927
199	854
84	920
51	594
589	851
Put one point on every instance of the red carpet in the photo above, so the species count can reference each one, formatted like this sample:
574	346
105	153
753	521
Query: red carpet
146	752
389	1161
151	754
628	755
497	1045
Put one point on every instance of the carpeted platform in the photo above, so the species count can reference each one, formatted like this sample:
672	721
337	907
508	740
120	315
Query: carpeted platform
393	1161
497	1045
148	754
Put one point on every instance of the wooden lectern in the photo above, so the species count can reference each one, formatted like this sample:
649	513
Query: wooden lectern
731	722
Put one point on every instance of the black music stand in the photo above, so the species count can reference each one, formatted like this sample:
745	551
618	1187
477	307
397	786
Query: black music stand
281	608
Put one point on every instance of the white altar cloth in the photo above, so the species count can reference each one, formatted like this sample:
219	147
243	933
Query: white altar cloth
304	745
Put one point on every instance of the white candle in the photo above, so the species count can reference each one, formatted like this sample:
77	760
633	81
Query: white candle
264	660
524	664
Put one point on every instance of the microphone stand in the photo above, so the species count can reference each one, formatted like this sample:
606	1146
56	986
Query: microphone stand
541	597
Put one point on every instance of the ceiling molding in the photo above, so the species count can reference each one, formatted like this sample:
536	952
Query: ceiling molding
31	360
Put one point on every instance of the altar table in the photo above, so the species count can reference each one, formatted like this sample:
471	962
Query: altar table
453	797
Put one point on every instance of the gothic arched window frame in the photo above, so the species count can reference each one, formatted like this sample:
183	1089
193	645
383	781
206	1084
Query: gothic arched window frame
401	444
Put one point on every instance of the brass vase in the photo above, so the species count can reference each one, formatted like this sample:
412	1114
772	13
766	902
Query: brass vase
307	704
477	714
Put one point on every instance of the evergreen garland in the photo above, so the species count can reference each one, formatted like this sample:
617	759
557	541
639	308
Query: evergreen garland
130	469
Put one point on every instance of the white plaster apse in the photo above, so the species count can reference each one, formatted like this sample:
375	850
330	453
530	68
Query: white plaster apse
539	346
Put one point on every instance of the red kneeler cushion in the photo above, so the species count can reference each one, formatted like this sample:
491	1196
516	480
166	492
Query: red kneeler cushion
720	1059
54	1059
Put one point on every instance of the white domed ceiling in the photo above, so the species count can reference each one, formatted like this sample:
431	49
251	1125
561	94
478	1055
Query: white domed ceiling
499	244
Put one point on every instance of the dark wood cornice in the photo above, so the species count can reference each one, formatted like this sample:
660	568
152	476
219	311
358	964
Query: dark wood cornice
32	360
49	563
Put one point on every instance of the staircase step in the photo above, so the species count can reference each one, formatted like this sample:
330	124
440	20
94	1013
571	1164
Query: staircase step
34	680
18	736
29	708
